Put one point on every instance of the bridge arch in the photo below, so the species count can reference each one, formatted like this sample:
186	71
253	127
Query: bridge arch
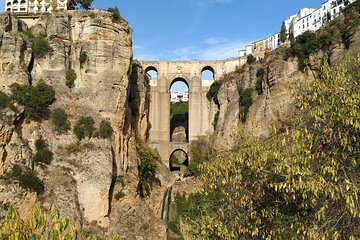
207	73
152	71
179	110
178	159
179	79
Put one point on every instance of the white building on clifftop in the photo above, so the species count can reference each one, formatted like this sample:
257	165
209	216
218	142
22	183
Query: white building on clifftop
36	6
307	19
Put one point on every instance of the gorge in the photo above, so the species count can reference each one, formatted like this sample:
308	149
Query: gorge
115	181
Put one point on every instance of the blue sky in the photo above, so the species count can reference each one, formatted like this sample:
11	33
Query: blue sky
200	29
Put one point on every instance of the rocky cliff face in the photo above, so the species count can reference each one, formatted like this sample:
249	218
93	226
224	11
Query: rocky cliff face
275	104
81	180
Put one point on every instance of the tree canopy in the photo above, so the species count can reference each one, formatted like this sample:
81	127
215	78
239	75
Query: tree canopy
283	34
301	182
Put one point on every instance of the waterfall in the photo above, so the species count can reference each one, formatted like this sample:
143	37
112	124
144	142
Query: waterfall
166	205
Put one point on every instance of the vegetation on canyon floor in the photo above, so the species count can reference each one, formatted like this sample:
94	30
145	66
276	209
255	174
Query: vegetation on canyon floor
301	182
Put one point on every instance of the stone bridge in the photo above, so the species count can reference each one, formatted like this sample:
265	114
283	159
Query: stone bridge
201	111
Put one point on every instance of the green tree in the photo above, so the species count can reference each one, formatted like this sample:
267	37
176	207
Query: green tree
60	120
84	4
4	100
105	129
147	171
301	182
283	33
84	127
116	17
70	78
260	73
304	45
245	102
83	58
213	92
30	181
43	154
35	99
250	59
41	46
40	144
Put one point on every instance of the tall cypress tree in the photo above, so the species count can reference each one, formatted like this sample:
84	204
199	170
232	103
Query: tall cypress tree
283	35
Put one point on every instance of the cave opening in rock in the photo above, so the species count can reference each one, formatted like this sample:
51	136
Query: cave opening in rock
178	161
179	110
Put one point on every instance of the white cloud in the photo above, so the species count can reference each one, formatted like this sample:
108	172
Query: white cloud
138	47
214	40
223	50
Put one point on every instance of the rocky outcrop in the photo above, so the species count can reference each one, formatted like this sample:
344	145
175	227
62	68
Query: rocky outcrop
81	180
275	104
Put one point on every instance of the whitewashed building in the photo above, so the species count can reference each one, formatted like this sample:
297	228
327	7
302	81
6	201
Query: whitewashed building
179	96
307	19
36	6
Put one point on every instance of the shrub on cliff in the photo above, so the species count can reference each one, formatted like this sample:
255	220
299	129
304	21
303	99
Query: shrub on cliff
4	100
259	80
41	46
35	99
105	129
116	17
83	58
43	154
27	180
147	171
59	119
245	102
250	59
70	78
213	92
84	127
302	47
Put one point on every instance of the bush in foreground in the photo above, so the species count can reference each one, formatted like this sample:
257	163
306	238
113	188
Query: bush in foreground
42	226
301	183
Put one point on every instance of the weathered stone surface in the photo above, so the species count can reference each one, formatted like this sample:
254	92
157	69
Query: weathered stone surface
80	181
179	134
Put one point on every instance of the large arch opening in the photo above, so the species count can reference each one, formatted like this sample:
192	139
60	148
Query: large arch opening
179	110
178	161
207	74
152	73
